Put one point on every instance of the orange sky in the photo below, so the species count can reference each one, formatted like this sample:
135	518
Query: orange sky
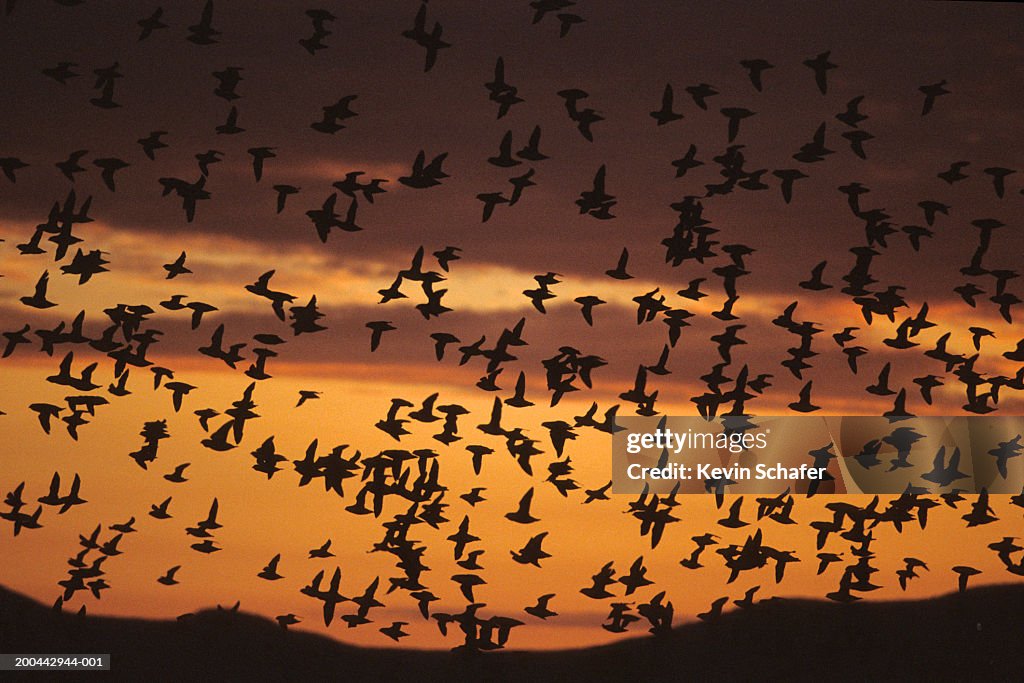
262	518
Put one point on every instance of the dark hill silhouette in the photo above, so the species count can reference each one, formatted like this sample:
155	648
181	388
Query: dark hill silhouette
955	637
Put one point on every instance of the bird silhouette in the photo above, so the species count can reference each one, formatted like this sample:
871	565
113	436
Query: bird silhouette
931	92
394	631
177	267
755	68
203	33
735	116
269	572
541	610
532	553
38	298
619	272
430	41
715	611
804	405
665	114
964	573
168	579
178	475
286	620
521	515
62	72
424	174
820	66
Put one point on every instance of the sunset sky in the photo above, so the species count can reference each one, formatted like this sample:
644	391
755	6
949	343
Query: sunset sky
622	55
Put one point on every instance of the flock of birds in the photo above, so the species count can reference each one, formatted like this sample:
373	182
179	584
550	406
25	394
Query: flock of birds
404	486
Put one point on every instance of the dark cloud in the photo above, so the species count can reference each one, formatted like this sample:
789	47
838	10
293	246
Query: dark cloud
622	55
